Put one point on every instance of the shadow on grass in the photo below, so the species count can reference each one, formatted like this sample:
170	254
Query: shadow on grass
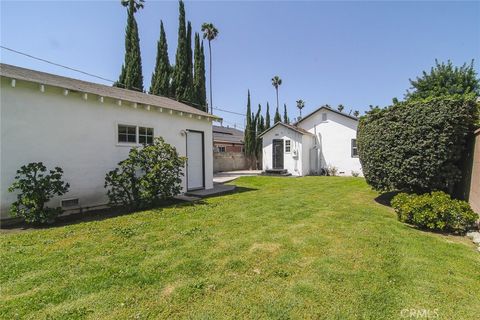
112	212
385	199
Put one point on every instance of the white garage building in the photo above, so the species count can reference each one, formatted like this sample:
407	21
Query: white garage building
324	139
87	128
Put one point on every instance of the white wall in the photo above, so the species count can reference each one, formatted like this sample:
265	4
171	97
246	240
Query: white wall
292	164
78	136
334	138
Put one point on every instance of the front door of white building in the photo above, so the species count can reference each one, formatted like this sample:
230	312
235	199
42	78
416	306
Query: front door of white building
195	160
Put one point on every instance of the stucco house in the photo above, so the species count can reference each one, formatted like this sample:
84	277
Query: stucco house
87	128
324	139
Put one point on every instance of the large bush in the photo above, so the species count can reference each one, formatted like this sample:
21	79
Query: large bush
435	211
36	189
149	174
416	146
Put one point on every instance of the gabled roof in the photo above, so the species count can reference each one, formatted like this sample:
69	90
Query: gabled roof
289	126
227	134
48	79
329	109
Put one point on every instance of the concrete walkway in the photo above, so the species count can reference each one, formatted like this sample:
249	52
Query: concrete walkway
217	190
226	176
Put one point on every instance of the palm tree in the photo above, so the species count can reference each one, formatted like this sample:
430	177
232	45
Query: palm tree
276	82
210	33
300	105
356	113
340	107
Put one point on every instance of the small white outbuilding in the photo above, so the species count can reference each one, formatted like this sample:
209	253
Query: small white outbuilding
323	140
87	128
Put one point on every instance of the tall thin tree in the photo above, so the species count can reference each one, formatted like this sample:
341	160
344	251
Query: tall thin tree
182	65
276	82
267	117
277	117
285	114
131	75
210	33
160	84
199	75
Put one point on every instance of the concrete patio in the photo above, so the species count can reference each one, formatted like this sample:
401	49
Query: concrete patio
227	176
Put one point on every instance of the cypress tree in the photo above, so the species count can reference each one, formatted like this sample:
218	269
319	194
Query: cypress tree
278	117
259	129
200	92
190	91
181	74
285	114
267	117
131	75
161	75
249	141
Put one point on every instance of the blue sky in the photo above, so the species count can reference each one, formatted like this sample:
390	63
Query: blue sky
354	53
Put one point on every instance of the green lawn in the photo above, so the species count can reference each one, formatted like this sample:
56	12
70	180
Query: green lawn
313	247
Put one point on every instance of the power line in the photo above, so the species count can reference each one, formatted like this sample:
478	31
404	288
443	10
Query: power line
93	75
56	64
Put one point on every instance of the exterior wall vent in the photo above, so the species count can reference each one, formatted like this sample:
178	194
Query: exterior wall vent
67	203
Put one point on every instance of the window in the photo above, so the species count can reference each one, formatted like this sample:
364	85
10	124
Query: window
127	134
324	117
354	148
145	135
287	146
221	149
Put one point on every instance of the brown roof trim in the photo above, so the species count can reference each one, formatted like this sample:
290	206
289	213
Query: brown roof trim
71	84
288	126
329	109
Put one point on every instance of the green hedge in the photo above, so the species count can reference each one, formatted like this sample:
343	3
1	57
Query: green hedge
435	211
416	146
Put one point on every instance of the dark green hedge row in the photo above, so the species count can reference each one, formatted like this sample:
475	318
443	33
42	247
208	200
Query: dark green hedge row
418	145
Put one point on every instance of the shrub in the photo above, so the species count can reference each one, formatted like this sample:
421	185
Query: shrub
355	173
416	146
36	189
331	171
149	174
435	211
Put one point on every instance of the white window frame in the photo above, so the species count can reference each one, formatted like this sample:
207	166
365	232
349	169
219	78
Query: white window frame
144	135
354	148
289	146
220	149
137	137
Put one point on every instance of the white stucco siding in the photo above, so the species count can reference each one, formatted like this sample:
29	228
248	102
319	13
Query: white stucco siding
80	136
334	137
291	163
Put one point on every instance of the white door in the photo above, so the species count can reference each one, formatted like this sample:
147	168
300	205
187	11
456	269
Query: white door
195	165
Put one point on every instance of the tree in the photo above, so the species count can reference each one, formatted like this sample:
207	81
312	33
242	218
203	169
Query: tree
210	33
445	79
249	128
190	93
131	75
285	114
267	117
340	107
300	106
276	82
160	84
277	117
181	74
36	189
416	145
260	127
356	113
200	92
